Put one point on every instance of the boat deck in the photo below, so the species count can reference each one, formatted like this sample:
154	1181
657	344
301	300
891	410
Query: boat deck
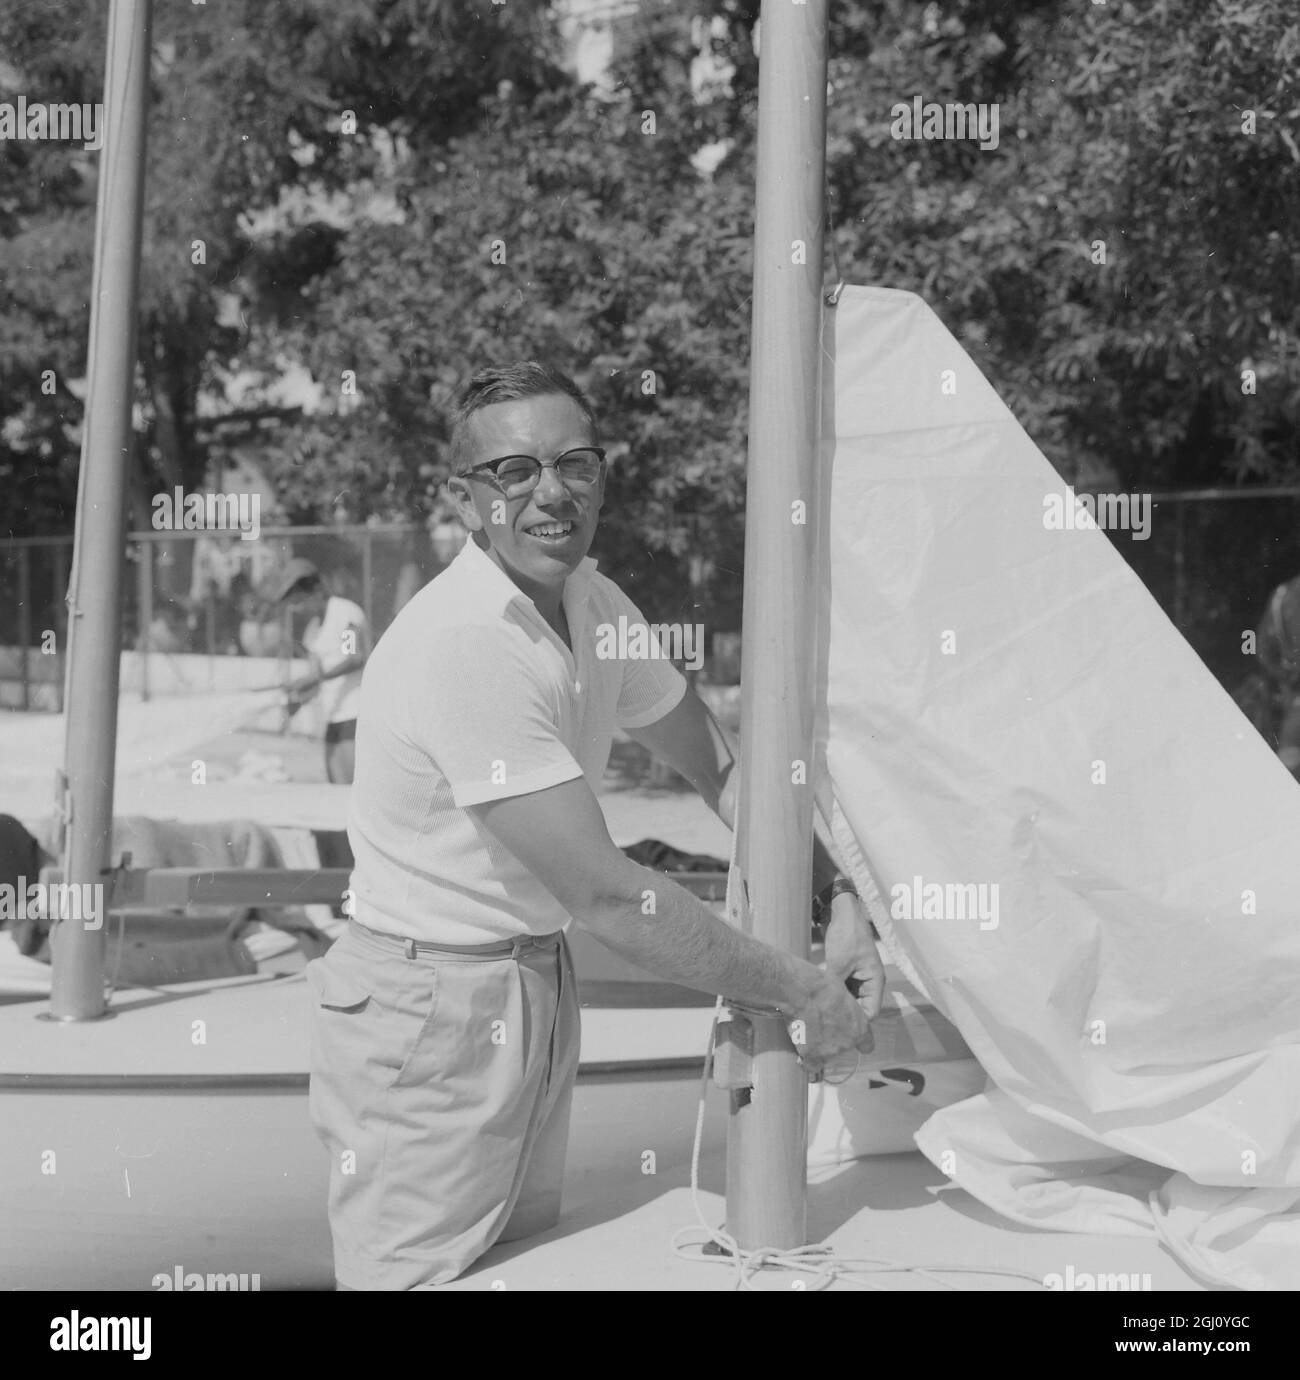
895	1208
147	1143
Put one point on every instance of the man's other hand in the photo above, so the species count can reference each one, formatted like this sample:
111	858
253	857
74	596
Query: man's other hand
851	952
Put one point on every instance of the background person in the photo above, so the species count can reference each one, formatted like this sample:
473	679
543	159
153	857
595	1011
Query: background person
337	645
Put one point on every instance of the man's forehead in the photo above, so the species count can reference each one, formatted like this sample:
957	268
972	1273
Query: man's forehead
527	424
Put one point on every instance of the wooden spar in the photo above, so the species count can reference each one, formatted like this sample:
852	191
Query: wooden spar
95	588
767	1131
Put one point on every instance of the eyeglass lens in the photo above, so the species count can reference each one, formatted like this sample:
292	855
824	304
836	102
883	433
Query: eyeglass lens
524	471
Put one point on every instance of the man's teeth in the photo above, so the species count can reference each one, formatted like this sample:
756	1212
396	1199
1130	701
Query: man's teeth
552	529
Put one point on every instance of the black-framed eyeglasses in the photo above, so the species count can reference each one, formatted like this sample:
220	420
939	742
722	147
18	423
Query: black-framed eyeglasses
519	474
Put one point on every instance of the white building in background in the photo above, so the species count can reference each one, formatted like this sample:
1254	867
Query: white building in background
591	28
596	31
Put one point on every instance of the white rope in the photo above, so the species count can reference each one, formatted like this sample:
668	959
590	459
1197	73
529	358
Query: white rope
820	1262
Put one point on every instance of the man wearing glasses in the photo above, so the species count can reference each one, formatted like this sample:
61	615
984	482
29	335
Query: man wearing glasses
445	1021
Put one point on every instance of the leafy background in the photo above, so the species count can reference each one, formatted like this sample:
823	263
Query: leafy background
629	251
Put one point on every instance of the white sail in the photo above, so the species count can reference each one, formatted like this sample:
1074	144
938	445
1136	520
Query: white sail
1079	846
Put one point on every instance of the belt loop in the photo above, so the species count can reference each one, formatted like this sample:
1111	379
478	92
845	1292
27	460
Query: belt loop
410	948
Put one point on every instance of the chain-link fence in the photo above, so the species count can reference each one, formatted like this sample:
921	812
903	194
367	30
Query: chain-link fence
1211	560
196	615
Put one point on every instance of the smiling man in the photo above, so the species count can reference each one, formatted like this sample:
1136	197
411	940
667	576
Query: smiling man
445	1027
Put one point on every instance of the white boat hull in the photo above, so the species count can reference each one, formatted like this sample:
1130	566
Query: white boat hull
175	1134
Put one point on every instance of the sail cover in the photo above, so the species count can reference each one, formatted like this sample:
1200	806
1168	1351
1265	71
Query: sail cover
1068	834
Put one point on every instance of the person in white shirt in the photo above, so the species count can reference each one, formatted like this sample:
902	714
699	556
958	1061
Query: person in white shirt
445	1019
338	640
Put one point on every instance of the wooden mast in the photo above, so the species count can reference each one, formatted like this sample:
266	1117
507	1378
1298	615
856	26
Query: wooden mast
95	589
767	1131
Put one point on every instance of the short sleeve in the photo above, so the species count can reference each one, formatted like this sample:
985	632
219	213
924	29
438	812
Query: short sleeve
483	715
652	686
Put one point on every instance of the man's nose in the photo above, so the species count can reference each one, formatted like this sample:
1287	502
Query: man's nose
550	487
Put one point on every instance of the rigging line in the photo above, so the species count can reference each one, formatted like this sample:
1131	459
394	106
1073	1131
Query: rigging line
832	296
821	1261
830	234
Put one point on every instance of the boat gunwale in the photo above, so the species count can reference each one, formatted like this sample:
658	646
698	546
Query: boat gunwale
286	1082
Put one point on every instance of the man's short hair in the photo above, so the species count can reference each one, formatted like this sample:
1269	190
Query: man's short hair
524	379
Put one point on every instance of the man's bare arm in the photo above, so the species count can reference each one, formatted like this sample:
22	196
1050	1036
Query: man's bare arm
559	835
691	741
695	745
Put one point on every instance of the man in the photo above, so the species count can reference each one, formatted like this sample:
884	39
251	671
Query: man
337	648
445	1034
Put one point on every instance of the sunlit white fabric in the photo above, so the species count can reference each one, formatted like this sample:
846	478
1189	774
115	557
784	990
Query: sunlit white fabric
1005	704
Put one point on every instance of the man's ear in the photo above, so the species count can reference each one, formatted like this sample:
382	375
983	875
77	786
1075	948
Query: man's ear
459	491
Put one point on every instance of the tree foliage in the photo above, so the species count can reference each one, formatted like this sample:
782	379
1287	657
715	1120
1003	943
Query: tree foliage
246	117
490	207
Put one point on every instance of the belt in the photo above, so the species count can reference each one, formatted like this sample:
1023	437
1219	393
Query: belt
473	953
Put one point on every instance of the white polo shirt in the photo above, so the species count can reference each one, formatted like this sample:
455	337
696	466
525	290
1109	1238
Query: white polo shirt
341	695
470	696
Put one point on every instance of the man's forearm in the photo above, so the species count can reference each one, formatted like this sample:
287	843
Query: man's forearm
681	940
690	740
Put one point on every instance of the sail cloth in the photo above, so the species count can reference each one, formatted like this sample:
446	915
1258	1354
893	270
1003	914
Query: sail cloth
1068	834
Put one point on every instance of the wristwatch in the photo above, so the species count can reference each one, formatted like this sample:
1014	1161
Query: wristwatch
821	905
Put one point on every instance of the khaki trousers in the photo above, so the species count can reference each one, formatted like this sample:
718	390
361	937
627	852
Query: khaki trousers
441	1084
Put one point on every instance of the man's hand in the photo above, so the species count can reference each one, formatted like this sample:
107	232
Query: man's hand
829	1023
851	952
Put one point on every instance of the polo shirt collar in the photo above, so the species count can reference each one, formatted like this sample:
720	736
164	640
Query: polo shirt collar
494	591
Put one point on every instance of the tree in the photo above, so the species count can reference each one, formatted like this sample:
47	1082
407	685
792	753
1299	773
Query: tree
1116	265
561	229
256	109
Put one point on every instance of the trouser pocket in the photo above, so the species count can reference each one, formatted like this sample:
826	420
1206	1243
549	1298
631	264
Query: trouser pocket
367	1023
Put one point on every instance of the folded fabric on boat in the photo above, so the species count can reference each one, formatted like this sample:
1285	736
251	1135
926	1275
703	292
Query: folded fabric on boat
1066	832
663	857
203	943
